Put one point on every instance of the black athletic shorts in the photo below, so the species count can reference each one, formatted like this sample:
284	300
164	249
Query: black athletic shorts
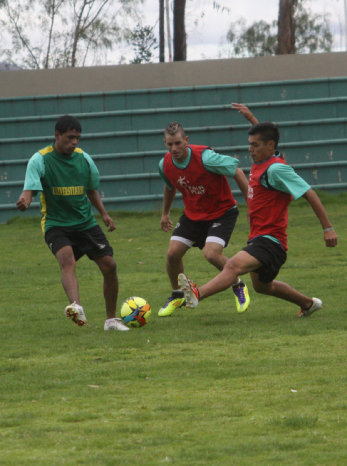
92	242
270	254
197	232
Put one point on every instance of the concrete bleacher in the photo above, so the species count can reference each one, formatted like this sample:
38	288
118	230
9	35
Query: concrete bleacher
123	132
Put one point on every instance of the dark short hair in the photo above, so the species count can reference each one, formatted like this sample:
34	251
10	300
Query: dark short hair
267	131
173	128
66	123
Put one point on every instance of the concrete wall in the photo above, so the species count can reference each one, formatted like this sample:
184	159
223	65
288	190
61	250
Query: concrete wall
178	74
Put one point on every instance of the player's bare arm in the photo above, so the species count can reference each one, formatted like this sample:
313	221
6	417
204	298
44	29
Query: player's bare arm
330	236
165	222
245	111
96	201
242	182
24	200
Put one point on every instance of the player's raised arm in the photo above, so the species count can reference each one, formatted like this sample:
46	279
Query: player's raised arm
245	111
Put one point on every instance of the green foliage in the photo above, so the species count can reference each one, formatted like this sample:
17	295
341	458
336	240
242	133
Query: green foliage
205	386
312	34
258	39
143	42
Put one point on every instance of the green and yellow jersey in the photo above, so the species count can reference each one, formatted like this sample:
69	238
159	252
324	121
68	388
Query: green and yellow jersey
63	181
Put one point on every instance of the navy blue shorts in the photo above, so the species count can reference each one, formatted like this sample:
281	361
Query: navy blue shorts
91	242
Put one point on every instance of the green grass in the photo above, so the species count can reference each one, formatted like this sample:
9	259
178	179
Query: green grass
204	387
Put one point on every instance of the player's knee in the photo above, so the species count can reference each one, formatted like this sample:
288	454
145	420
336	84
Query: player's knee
232	266
173	256
210	256
258	288
112	268
262	288
66	261
108	266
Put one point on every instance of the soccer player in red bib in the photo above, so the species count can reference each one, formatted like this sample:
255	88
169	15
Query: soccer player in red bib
272	186
68	179
210	210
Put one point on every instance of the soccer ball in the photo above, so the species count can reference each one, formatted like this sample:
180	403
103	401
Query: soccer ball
135	312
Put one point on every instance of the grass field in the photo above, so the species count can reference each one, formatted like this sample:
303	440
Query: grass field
204	387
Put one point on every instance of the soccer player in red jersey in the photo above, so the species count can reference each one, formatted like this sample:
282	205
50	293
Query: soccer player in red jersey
272	186
210	213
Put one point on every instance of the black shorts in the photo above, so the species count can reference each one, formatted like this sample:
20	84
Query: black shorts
270	254
197	233
92	242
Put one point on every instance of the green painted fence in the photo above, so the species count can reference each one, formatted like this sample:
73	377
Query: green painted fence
123	131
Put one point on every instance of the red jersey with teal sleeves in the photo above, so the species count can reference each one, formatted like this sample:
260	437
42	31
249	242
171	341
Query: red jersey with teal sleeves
268	208
206	195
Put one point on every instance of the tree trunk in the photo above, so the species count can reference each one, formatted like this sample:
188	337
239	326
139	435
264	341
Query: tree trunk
161	32
180	43
286	27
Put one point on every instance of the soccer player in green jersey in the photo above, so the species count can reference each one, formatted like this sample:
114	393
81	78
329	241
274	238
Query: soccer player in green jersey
68	181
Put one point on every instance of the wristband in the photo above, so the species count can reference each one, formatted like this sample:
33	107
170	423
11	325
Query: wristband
328	229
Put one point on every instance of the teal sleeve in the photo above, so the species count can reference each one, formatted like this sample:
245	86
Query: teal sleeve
161	173
94	181
284	178
218	163
34	172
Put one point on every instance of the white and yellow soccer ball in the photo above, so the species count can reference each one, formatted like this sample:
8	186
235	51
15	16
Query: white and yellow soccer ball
135	312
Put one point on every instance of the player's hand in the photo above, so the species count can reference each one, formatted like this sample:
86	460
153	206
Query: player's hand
330	238
244	110
165	223
108	221
22	204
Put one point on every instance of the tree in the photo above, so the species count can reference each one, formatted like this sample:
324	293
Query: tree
143	41
62	33
161	31
312	34
286	27
180	39
258	39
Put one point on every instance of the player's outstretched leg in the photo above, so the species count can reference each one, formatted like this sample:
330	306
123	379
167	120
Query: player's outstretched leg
242	298
191	293
316	304
76	313
175	301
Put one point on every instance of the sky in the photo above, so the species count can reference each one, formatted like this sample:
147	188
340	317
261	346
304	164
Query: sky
207	26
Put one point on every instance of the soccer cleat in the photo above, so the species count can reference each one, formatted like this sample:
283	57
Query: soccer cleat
115	324
317	304
191	293
76	313
175	301
241	296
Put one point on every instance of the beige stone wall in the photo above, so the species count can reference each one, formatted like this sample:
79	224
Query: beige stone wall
178	74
